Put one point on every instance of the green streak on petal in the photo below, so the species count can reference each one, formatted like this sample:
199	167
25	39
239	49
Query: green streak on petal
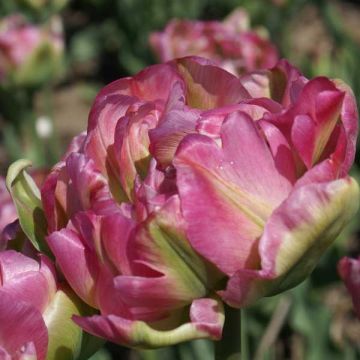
144	336
197	96
65	337
179	260
255	209
303	246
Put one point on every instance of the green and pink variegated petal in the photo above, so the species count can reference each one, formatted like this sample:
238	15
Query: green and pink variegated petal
225	196
99	145
315	116
202	92
281	83
206	321
286	82
166	272
295	237
81	274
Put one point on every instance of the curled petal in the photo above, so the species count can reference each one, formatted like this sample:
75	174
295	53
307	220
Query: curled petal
206	321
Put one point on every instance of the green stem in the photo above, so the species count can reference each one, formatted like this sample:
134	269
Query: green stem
229	347
244	336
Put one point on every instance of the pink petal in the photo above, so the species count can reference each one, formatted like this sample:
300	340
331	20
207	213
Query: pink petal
30	287
165	138
81	274
109	305
20	324
205	313
13	264
280	150
225	184
132	144
202	91
148	298
54	211
310	133
104	117
87	187
116	247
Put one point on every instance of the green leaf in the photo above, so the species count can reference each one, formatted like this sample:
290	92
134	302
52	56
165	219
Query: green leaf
26	197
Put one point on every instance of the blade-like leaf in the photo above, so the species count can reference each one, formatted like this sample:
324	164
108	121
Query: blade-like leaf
26	197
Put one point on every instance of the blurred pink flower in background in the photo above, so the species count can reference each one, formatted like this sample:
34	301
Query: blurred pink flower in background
349	270
26	47
192	187
231	43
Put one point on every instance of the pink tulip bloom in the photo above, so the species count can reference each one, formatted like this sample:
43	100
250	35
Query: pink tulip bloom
231	44
192	187
25	47
349	270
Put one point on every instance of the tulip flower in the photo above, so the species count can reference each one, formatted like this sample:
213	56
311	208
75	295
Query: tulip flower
349	270
36	310
29	54
192	187
231	43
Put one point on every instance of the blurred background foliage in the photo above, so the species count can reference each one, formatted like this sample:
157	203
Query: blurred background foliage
108	39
